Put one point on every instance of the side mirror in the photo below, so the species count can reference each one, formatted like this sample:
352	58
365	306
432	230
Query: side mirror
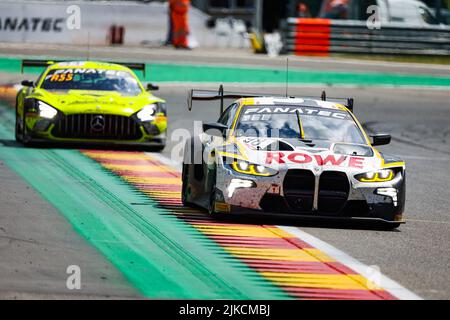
215	129
380	139
27	83
152	87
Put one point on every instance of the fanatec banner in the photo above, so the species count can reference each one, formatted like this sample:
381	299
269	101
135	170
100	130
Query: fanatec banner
80	23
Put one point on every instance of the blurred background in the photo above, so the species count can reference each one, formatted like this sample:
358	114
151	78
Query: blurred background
302	27
391	56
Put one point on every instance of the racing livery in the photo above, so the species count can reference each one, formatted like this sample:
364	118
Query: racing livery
87	101
290	156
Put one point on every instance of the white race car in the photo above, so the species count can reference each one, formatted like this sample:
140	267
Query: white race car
291	156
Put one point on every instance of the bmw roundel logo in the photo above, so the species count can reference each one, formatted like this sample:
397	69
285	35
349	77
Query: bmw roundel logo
97	123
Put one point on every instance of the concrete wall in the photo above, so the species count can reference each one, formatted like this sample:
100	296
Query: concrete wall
46	22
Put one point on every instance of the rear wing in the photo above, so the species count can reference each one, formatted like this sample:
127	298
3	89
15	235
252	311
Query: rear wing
208	95
347	102
45	63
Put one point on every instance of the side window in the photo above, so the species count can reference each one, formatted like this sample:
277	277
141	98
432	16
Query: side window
41	76
228	115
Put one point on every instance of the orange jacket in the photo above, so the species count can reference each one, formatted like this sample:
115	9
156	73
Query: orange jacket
179	6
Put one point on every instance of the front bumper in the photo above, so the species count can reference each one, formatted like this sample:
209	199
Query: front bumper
121	130
240	211
267	196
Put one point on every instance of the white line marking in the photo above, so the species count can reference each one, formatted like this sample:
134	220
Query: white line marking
388	284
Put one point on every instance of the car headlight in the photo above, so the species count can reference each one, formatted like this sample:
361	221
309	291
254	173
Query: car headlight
46	111
376	176
253	169
147	113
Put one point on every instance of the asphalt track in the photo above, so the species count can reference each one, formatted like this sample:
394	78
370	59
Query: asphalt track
417	256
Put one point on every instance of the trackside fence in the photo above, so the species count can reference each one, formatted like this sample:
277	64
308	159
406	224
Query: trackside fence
313	36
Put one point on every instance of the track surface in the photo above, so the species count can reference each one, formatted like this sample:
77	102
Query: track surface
37	245
127	205
296	266
418	255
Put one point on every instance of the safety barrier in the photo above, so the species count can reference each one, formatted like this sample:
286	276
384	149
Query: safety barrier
309	36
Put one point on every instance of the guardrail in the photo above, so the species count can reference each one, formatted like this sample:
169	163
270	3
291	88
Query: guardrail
314	36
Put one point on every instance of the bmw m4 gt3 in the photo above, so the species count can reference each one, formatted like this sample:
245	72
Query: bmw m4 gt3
302	157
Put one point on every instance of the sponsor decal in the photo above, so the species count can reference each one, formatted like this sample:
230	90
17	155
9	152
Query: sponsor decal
257	143
266	111
100	72
317	159
32	24
71	64
61	77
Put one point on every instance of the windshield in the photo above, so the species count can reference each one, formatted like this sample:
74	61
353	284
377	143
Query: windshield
91	79
282	122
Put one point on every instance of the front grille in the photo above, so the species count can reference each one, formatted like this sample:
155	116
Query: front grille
333	191
298	186
96	126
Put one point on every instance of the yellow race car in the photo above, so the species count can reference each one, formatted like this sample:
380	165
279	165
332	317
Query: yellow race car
93	102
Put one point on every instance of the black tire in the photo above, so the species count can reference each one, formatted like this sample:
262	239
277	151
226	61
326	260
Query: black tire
184	185
18	131
212	199
25	137
212	202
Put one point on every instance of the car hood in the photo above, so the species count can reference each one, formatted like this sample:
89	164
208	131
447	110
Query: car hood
315	155
105	102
